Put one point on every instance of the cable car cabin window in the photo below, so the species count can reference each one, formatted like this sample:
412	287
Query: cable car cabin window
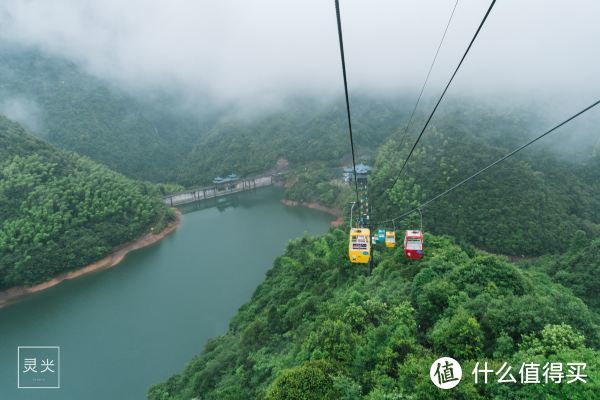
414	244
359	242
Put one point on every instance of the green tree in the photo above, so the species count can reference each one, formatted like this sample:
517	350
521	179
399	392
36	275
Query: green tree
312	380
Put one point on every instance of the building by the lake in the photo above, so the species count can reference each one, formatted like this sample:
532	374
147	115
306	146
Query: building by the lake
362	171
227	182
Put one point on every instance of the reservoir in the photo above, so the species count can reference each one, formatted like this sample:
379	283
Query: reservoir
125	328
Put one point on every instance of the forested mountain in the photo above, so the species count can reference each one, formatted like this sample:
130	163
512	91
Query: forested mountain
531	204
73	110
319	328
318	183
150	136
578	268
301	132
60	211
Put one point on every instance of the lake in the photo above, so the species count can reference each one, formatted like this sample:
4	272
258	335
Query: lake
125	328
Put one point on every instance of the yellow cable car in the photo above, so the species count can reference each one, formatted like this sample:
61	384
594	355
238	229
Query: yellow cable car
390	239
359	248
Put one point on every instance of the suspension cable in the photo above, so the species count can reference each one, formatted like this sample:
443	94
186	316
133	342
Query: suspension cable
412	114
339	26
498	161
444	92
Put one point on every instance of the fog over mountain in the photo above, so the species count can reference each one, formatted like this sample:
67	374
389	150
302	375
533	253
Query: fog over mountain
262	50
23	110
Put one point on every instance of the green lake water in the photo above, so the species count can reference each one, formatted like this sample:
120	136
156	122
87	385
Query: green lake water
122	329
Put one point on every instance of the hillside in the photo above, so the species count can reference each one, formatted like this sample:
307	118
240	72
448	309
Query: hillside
578	268
154	136
139	136
301	131
60	211
531	204
318	327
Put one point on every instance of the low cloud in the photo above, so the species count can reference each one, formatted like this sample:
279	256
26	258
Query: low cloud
260	51
24	111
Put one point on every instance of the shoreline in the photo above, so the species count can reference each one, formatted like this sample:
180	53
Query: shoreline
113	259
316	206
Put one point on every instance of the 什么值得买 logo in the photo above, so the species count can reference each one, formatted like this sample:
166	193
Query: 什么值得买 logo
445	373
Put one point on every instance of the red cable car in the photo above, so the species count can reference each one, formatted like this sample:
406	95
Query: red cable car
413	244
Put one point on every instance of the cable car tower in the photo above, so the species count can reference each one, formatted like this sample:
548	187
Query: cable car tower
362	173
361	246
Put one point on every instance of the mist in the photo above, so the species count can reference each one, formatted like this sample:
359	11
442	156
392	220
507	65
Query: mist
258	53
23	110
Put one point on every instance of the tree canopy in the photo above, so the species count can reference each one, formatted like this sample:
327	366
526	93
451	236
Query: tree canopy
60	211
319	327
531	204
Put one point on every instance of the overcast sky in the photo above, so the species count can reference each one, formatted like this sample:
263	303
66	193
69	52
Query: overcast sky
263	49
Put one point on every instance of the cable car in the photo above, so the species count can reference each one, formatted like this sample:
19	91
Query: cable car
390	239
413	244
359	248
381	236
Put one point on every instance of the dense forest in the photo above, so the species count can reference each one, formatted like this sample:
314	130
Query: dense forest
154	137
60	211
531	204
320	328
578	268
318	183
304	131
140	136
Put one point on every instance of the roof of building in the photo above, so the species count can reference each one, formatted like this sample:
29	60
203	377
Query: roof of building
230	178
360	169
